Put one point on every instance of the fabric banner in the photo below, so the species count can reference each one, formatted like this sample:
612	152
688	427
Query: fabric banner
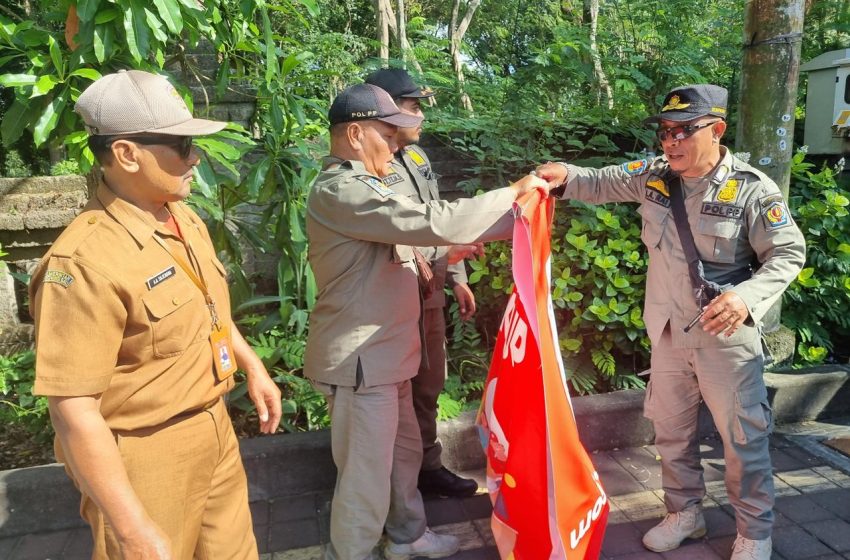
548	502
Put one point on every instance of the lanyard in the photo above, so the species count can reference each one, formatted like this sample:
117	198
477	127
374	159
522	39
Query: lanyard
194	278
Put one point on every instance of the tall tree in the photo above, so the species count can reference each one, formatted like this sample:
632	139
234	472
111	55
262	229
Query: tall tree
592	9
773	31
457	29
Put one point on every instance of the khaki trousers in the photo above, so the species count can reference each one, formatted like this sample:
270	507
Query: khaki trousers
427	386
377	452
188	474
731	382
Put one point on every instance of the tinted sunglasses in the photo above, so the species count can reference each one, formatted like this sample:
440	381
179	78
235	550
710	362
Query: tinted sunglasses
681	132
181	144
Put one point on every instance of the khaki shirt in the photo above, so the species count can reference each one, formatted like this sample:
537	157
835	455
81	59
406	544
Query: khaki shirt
413	176
360	231
738	218
115	314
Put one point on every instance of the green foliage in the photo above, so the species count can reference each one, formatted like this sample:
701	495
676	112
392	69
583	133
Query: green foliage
816	304
17	403
65	167
15	165
468	363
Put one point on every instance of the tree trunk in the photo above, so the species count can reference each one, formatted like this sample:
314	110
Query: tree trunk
386	21
456	33
773	32
601	79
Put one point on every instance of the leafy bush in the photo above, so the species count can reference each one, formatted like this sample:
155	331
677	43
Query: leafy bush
816	304
17	403
65	167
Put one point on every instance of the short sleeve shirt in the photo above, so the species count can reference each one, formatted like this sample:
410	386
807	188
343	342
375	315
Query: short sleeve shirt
116	315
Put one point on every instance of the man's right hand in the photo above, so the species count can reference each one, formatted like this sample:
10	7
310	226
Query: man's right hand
555	173
529	183
149	542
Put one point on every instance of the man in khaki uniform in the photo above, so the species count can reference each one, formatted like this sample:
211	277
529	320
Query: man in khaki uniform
132	315
412	175
364	341
751	249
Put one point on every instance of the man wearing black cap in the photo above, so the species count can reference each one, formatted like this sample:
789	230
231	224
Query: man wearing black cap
412	175
722	248
364	341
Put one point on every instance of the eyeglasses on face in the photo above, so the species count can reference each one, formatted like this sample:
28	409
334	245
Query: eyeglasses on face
681	132
181	144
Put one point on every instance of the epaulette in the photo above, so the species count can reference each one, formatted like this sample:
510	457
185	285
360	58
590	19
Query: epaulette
78	231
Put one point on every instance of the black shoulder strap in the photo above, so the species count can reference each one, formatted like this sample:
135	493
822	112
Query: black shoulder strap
704	291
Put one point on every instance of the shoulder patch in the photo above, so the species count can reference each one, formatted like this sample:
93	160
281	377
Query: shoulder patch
774	212
636	167
57	277
376	185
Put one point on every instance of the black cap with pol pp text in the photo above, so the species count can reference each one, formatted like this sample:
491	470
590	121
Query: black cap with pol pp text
363	102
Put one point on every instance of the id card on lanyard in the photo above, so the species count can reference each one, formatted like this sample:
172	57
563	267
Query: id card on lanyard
221	343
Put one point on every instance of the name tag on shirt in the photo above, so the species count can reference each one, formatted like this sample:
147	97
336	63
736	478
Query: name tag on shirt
160	277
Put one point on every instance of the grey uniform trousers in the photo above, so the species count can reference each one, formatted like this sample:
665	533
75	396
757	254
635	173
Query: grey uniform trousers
427	386
731	382
377	451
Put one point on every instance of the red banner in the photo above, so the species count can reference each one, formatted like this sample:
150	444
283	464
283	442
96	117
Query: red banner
548	502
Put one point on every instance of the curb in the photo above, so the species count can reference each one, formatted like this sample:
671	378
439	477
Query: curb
39	499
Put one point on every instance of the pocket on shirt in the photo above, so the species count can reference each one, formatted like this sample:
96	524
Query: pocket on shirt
654	222
754	417
724	237
173	321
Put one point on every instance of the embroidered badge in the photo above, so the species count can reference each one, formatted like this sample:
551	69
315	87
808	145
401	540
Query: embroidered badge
159	277
675	103
415	157
729	192
58	277
376	185
659	185
635	167
722	210
774	213
393	178
658	198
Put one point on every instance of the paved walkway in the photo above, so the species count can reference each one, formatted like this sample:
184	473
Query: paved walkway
812	509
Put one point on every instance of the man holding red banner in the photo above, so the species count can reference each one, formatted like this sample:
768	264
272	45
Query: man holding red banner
722	248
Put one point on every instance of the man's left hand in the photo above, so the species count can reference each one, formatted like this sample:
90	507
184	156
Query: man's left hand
465	300
724	314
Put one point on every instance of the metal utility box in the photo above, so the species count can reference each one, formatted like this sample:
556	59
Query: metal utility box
827	129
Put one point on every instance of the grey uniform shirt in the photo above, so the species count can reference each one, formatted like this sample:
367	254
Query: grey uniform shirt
359	232
413	176
739	220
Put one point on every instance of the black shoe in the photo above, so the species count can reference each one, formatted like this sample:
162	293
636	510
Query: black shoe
443	482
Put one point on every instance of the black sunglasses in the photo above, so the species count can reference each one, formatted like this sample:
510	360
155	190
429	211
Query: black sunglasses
681	132
181	144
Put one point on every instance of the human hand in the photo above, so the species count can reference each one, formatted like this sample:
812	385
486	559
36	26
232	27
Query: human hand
529	183
146	542
555	173
724	314
457	253
265	395
465	300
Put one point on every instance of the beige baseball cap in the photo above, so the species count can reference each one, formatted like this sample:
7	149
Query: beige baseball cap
133	101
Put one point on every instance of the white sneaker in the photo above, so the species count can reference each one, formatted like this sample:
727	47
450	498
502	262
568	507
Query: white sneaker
676	527
429	545
748	549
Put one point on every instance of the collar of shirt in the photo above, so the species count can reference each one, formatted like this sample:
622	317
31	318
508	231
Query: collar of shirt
139	224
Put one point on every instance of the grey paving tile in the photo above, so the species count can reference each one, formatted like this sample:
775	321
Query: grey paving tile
486	553
797	544
617	481
309	553
693	550
642	464
835	533
836	501
477	507
718	522
642	555
78	546
622	538
260	512
292	508
784	461
801	509
721	544
297	533
804	456
41	546
7	545
443	511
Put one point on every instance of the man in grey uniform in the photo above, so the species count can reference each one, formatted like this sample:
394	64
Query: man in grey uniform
749	248
364	341
412	175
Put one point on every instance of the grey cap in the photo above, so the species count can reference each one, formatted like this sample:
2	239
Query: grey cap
133	101
687	103
363	102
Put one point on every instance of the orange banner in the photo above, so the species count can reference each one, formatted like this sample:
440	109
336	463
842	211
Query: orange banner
548	502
